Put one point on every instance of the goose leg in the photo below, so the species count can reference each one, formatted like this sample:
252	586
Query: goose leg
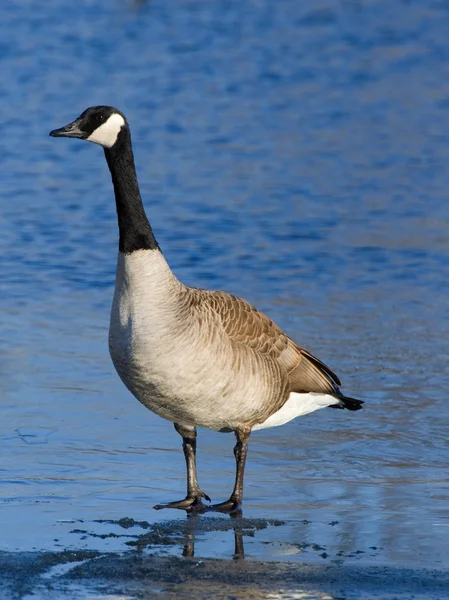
240	452
194	494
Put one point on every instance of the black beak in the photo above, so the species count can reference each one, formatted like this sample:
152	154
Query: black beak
71	130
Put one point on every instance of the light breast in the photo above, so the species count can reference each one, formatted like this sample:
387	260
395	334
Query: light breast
175	357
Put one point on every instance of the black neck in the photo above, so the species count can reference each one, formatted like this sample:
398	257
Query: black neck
135	230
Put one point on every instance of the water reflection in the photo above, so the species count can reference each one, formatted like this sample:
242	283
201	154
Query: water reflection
181	535
189	542
210	536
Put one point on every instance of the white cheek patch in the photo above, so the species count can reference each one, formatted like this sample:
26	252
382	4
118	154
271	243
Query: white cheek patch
106	135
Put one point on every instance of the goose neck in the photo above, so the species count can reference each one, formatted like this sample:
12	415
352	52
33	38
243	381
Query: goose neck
134	227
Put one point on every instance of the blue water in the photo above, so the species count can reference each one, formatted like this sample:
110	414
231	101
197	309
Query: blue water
293	153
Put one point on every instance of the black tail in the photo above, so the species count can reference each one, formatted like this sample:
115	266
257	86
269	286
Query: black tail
345	402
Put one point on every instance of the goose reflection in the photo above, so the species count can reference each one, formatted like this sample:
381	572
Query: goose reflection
188	549
184	533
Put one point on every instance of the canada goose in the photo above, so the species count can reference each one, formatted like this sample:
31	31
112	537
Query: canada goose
196	357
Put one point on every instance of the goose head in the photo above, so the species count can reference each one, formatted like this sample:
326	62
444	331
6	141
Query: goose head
98	124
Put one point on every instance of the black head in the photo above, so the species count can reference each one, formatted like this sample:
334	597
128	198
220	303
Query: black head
98	124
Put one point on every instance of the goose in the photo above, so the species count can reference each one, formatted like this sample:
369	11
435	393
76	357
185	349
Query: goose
196	357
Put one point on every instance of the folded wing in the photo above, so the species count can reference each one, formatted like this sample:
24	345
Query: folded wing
245	325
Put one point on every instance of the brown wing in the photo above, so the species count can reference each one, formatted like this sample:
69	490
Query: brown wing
244	324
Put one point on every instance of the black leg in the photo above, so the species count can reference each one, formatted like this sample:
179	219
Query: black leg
240	452
194	495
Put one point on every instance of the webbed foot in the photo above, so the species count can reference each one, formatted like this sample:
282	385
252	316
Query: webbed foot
190	503
230	506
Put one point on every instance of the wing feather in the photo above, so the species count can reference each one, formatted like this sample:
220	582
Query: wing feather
245	325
